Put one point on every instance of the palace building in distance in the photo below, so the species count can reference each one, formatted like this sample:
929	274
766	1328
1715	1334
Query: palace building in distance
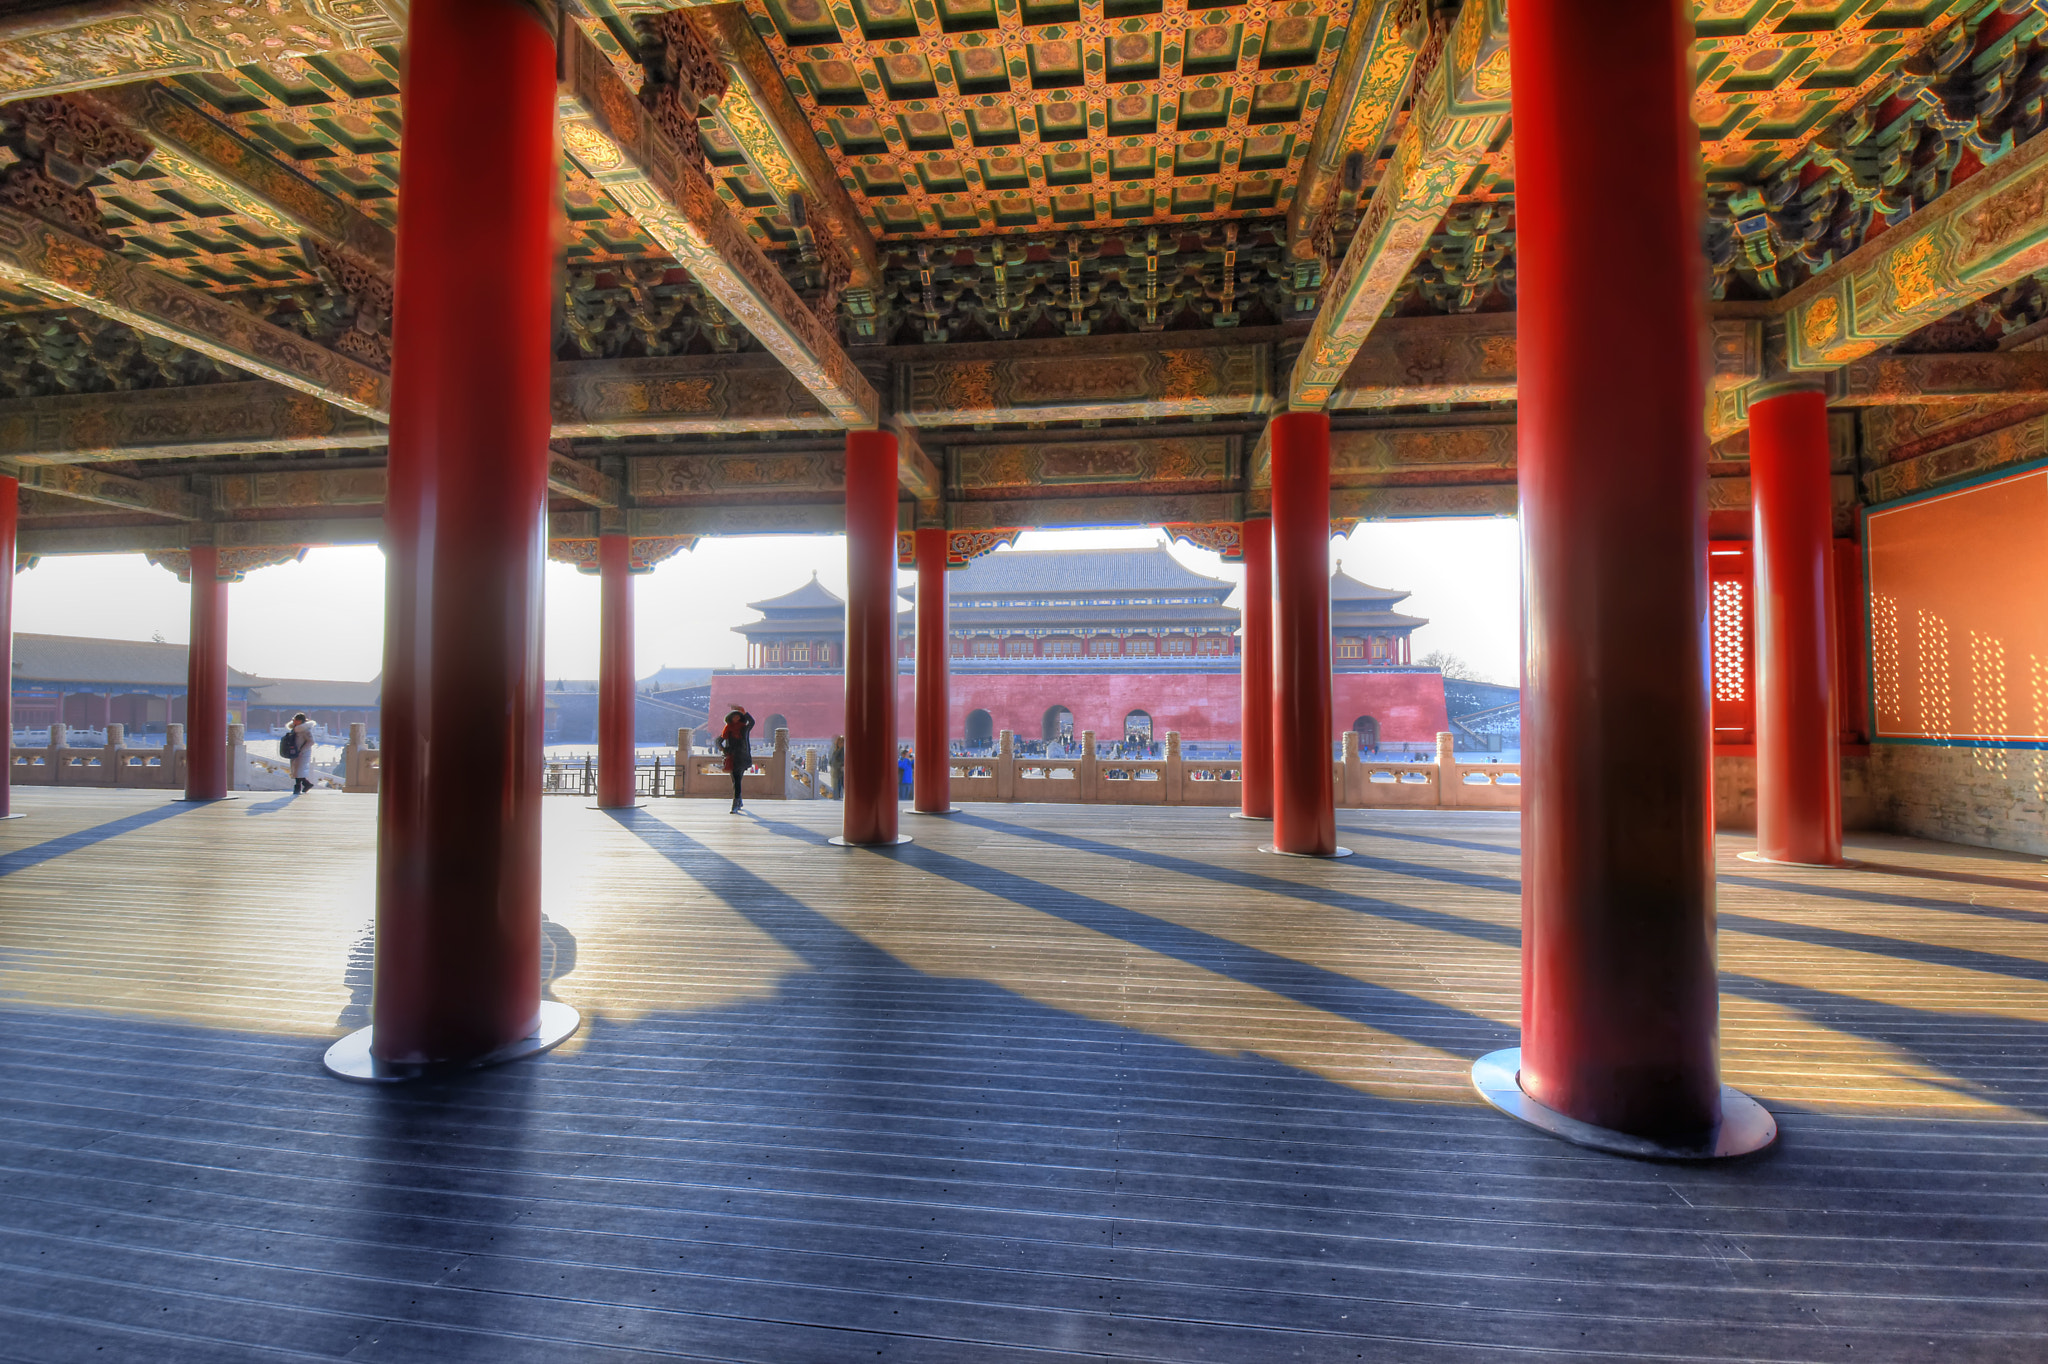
1051	643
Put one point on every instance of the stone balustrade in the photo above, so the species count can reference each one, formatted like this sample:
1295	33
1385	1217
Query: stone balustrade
361	765
112	763
785	772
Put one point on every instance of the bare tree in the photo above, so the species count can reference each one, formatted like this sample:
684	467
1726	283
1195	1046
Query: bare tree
1450	665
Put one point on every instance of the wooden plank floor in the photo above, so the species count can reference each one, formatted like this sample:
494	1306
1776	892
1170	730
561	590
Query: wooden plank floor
1050	1083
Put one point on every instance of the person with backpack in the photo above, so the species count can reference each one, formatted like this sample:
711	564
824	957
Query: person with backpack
296	747
733	740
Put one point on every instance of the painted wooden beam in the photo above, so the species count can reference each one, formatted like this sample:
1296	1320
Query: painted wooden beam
172	535
46	260
249	417
657	523
1889	380
1413	361
1183	460
2021	443
99	43
1371	79
166	497
1133	510
916	472
1984	234
615	141
772	129
245	177
298	490
586	483
1134	379
1460	110
682	395
1408	503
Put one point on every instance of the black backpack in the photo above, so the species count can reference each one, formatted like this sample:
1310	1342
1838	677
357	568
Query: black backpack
288	746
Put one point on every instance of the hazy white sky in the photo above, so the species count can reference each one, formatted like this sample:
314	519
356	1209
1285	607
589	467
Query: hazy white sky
323	617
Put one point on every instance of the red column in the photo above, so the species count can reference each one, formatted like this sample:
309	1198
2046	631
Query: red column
458	866
1255	792
1619	1011
1304	791
934	771
1798	735
615	673
10	516
206	681
870	638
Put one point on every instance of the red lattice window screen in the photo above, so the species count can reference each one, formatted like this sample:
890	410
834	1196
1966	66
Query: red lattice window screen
1731	638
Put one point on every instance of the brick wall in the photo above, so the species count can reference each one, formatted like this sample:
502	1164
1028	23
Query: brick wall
1202	707
1990	797
1735	792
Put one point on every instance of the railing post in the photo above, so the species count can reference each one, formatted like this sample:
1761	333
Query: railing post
54	749
1174	773
352	756
237	755
685	739
1447	770
1091	771
1006	766
778	773
110	754
174	754
1348	788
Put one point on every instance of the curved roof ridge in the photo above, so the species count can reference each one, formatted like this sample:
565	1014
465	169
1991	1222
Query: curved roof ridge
813	595
1344	587
1145	568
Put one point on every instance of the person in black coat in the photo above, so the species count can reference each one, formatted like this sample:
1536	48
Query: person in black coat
735	740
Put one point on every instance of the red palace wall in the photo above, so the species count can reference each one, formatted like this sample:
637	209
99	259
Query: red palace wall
1201	706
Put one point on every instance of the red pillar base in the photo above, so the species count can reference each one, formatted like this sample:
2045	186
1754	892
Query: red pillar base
1746	1127
350	1058
1845	864
1281	852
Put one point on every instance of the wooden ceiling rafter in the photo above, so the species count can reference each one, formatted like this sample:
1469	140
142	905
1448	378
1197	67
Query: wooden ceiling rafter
169	498
1370	82
44	259
244	178
96	43
614	140
1460	111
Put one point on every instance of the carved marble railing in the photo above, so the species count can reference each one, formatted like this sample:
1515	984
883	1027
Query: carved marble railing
702	773
787	771
112	762
361	765
1360	782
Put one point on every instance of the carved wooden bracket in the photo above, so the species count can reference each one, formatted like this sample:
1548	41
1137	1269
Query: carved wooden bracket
1224	537
965	546
62	142
234	564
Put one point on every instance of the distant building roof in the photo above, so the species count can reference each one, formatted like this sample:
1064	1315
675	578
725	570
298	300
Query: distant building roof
1361	606
812	596
670	679
107	662
1089	572
302	693
1345	588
